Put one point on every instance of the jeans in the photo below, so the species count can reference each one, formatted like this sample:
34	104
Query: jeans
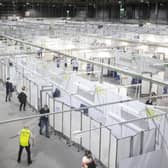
44	123
8	96
22	104
75	69
28	153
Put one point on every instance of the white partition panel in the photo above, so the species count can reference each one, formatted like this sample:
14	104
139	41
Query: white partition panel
113	152
1	70
4	74
116	129
148	160
27	84
137	145
123	150
36	103
149	141
86	136
19	81
76	124
66	123
43	98
145	88
12	73
105	141
50	103
34	96
58	122
58	106
51	117
95	138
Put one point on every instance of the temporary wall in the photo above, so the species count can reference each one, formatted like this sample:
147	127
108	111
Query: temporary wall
107	148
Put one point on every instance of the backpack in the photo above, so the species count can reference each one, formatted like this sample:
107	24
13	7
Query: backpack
22	97
57	93
12	88
92	164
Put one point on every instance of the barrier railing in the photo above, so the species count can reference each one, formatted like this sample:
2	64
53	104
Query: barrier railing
106	147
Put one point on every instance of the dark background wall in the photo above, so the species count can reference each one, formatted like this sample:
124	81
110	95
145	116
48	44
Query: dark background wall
88	9
147	9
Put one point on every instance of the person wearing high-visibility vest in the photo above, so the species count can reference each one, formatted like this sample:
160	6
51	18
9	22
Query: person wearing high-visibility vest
24	142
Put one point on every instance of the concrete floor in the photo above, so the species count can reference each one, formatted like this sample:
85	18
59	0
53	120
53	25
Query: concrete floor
46	153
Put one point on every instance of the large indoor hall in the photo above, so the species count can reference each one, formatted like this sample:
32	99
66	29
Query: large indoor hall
83	84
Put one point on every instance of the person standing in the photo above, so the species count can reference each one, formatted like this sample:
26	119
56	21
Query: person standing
44	120
22	99
58	62
40	53
149	101
9	89
75	65
65	63
24	142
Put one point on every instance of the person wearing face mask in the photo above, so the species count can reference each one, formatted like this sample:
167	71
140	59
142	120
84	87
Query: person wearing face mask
44	120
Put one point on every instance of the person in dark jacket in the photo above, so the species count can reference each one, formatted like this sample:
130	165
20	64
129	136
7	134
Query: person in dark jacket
22	99
9	89
44	120
149	101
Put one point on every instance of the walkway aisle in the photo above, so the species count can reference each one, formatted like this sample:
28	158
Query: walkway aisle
46	153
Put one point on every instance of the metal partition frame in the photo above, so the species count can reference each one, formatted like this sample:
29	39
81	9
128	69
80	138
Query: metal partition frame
79	121
66	128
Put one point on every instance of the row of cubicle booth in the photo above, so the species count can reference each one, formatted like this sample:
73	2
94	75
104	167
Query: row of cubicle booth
119	130
116	129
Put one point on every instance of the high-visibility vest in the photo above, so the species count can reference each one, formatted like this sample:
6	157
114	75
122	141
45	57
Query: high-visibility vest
24	137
